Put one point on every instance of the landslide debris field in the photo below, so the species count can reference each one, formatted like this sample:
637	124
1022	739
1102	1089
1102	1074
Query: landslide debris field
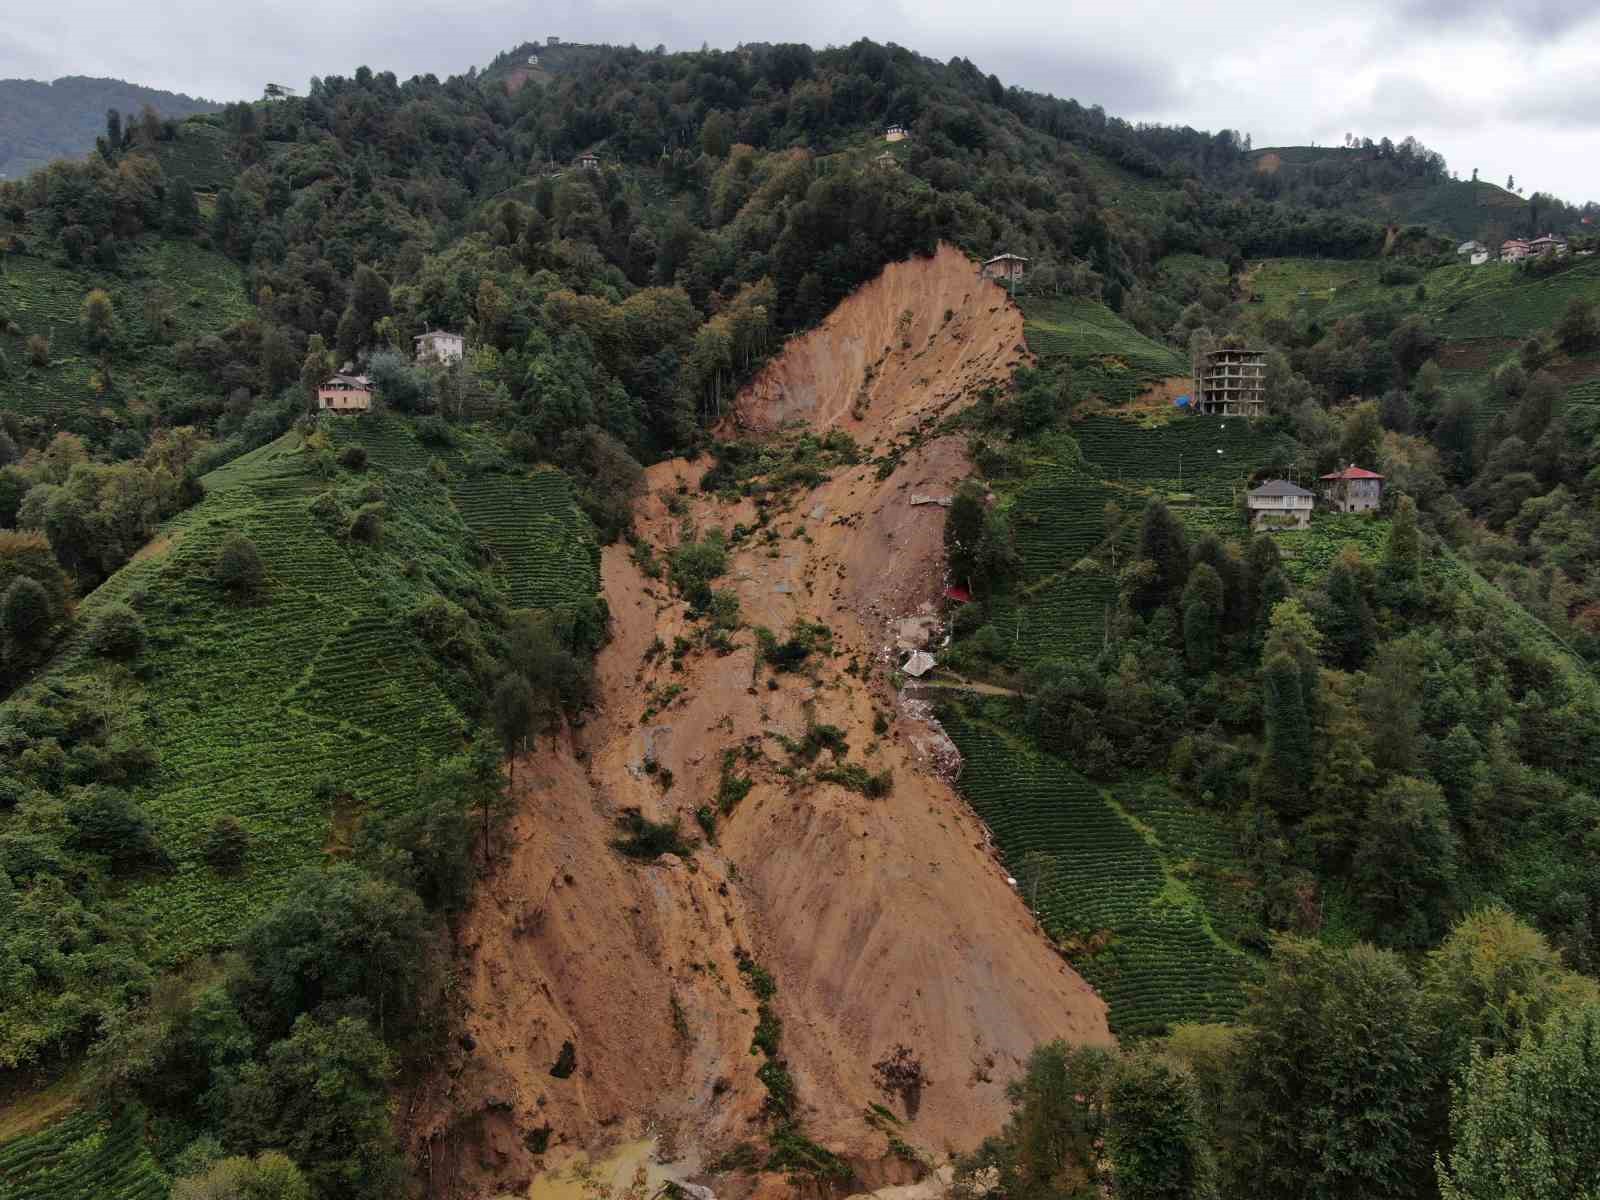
823	896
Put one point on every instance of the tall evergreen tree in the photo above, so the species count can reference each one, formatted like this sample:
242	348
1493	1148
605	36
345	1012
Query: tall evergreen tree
1163	543
1398	577
1202	617
1350	627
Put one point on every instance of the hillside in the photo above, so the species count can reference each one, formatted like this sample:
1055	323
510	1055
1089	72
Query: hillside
867	950
532	771
41	122
1373	183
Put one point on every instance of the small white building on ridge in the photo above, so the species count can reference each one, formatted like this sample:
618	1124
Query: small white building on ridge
440	346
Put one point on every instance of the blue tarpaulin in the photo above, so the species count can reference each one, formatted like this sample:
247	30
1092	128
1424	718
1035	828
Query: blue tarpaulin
1181	402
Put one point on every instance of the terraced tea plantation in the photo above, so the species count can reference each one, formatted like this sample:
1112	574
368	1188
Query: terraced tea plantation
1210	458
1105	880
200	292
1504	301
544	547
199	154
1109	358
84	1157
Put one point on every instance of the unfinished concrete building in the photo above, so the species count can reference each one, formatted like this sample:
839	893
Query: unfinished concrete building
1231	383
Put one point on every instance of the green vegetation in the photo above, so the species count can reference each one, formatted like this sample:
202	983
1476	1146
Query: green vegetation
1107	889
1109	358
86	1154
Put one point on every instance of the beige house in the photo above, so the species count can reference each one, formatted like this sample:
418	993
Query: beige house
345	393
896	133
588	162
440	346
1279	504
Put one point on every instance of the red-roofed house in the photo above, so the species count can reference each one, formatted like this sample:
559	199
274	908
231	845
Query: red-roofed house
1353	490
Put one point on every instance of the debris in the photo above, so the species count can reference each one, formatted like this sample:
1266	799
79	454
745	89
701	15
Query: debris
918	665
922	498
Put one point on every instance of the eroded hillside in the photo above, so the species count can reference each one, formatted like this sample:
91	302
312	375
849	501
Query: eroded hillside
883	921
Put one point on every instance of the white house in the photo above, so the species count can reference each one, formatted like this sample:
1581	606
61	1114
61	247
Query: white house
588	162
1279	504
533	60
440	346
896	133
1479	257
1468	249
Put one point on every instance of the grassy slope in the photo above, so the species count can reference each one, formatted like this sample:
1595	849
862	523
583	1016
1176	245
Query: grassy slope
84	1156
1457	207
251	707
200	153
205	294
1109	358
1111	871
1137	865
1481	313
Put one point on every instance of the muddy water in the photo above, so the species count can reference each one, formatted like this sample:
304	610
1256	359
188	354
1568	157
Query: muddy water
610	1174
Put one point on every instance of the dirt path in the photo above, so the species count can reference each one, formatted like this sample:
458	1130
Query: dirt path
884	922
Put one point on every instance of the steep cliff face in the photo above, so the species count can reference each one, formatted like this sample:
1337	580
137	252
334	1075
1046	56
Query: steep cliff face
883	921
923	335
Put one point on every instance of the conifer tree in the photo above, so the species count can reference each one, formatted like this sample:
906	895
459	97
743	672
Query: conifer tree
1351	630
1202	617
1402	560
314	370
1163	543
183	211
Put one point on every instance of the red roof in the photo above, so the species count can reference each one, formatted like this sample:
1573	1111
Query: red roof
1353	472
957	593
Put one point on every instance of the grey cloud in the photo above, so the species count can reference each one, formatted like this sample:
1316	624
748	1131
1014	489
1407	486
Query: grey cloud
1399	103
1565	101
1539	20
1123	86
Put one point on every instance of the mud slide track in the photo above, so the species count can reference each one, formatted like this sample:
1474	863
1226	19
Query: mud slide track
884	921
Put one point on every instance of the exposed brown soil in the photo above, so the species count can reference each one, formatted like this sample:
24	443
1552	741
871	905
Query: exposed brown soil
923	335
1475	353
883	921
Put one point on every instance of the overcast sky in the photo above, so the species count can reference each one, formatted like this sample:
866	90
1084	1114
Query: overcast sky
1510	88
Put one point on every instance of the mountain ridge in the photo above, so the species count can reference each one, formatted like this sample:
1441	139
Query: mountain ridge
41	121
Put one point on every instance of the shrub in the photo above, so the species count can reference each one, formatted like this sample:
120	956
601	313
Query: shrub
354	457
695	564
239	569
39	350
367	525
648	839
25	611
818	738
434	431
269	1176
117	632
227	842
